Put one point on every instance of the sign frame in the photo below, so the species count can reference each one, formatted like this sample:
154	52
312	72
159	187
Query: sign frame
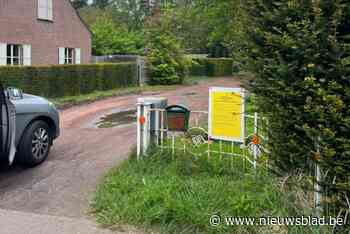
242	94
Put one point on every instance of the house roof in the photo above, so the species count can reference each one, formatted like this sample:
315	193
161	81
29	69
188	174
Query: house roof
80	18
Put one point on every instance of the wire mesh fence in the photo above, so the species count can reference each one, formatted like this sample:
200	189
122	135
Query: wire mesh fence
196	139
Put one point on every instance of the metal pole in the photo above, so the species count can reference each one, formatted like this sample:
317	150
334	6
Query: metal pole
318	191
146	126
220	144
157	125
139	130
162	126
208	148
256	134
173	145
317	187
139	64
184	146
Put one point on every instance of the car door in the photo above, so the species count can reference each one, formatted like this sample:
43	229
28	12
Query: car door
8	127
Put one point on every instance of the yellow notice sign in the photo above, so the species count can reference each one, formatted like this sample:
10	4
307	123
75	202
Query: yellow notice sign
226	114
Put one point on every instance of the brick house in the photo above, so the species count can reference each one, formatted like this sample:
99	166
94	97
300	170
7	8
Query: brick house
36	32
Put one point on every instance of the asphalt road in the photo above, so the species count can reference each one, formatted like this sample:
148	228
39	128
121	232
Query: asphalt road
54	197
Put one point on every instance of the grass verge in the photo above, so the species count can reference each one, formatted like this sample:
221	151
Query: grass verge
179	193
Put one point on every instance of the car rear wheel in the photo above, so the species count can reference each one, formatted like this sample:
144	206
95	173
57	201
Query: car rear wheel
35	144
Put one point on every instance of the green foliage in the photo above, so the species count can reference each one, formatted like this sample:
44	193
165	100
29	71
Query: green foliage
211	67
207	26
179	193
220	18
165	58
69	80
191	26
111	38
130	14
300	58
201	26
90	14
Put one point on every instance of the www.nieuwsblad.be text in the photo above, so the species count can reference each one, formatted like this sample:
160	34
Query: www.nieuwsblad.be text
216	220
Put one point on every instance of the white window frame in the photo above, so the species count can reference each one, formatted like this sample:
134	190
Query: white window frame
45	9
10	54
69	59
69	55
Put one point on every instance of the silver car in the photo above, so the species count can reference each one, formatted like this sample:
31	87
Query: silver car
29	126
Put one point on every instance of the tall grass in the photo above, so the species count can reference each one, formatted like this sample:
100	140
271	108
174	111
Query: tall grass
179	193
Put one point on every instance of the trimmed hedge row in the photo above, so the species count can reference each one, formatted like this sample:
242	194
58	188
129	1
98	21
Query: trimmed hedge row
211	67
69	80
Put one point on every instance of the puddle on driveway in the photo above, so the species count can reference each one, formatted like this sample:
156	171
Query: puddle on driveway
117	119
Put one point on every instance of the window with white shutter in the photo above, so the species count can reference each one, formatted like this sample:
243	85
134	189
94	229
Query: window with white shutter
61	55
3	54
27	55
77	55
69	55
14	54
45	9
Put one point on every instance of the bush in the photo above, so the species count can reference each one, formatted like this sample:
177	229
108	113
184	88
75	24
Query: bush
211	67
68	80
166	61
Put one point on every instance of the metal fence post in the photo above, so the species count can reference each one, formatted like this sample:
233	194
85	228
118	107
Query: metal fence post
139	71
139	130
256	135
157	126
143	128
317	194
317	186
146	127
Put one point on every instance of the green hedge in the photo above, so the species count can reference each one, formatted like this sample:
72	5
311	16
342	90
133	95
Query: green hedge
211	67
69	80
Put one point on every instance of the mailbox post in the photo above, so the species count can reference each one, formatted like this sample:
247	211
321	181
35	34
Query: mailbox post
148	122
143	133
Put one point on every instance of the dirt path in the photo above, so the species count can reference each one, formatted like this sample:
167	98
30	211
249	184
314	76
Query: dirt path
62	186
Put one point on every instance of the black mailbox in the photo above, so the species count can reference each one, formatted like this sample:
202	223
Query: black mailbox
178	117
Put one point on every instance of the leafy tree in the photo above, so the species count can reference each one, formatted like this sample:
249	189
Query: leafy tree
219	16
206	26
110	38
131	13
165	58
90	14
190	26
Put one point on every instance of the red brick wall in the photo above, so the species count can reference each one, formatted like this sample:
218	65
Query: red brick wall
19	25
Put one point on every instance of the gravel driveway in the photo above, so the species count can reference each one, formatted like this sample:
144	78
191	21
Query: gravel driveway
54	197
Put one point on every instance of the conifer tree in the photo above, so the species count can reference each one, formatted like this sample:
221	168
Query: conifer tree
301	57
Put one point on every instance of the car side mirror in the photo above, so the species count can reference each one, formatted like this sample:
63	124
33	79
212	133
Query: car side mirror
14	93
